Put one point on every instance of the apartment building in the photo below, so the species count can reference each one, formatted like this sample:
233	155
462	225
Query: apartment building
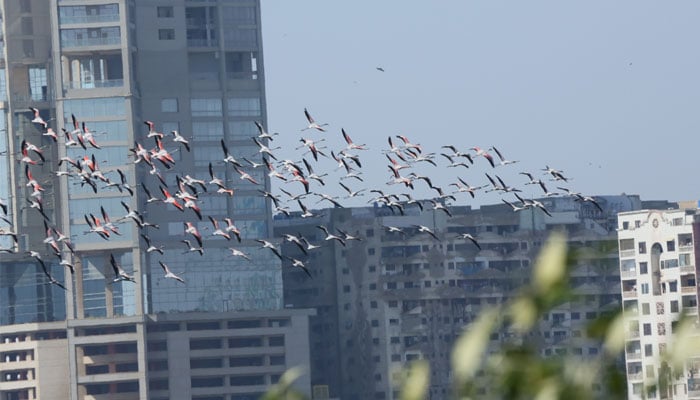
658	259
399	296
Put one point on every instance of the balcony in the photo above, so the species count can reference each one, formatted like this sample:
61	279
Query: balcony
628	274
633	356
107	83
88	19
202	42
687	269
688	289
85	42
627	253
633	334
629	294
636	376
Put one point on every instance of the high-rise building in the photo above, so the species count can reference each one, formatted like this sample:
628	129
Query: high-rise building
189	66
658	272
400	295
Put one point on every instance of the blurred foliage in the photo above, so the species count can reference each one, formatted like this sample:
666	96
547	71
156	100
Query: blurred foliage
517	370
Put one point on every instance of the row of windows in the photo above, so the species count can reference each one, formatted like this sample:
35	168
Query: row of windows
240	361
243	380
234	343
210	131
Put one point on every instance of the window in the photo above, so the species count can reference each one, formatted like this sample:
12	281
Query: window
244	107
674	306
166	34
165	12
645	309
647	329
643	268
206	382
393	303
645	288
275	341
673	286
671	245
372	286
27	26
375	323
625	225
396	357
395	340
575	315
235	343
373	304
648	350
168	105
590	315
370	251
25	6
372	268
206	107
207	131
346	289
247	361
684	260
205	344
642	247
37	83
277	360
206	363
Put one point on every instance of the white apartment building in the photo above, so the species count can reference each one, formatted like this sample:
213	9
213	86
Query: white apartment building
658	254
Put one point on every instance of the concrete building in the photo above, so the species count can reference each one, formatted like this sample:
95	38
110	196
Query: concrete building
191	66
658	260
397	297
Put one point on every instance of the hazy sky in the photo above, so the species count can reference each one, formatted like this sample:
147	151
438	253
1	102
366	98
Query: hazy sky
607	91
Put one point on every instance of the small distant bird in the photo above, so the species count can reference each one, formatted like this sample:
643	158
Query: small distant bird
425	229
191	248
180	139
119	273
469	237
394	229
300	264
169	274
150	247
380	69
268	245
312	123
238	253
330	236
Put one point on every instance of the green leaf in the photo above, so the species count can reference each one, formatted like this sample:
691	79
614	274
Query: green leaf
282	389
616	334
415	385
686	343
471	345
550	268
523	313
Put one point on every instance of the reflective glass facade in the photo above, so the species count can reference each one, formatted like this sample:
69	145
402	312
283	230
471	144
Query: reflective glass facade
218	281
27	296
